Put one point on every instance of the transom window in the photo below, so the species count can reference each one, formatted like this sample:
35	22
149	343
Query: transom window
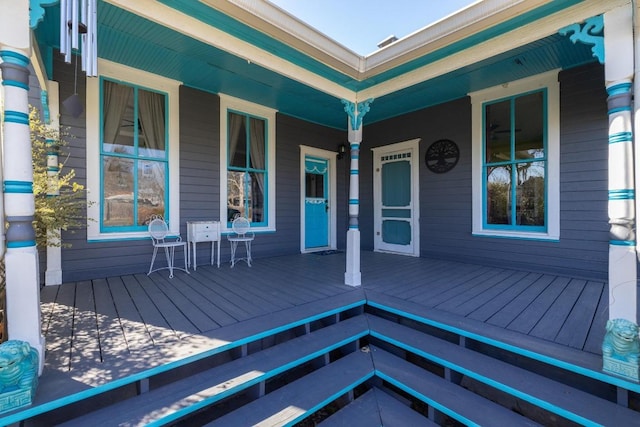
516	167
133	156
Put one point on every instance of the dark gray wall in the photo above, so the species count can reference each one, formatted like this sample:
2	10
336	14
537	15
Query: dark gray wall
445	199
199	184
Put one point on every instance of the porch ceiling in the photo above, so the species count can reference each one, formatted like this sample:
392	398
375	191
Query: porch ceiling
129	39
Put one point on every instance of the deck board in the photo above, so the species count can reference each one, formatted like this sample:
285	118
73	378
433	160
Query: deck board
507	315
530	316
86	347
597	331
576	326
112	339
549	326
135	331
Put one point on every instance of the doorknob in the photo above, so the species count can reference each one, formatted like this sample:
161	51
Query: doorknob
326	206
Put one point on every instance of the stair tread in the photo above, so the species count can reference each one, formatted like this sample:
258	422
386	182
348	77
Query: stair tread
373	408
187	395
298	399
449	398
546	393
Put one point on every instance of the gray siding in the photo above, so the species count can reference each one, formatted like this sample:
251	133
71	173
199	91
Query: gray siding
445	199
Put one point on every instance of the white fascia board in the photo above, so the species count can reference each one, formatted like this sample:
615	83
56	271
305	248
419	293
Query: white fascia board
184	24
299	31
508	41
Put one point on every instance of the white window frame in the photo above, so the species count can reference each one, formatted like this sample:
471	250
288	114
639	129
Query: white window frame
548	81
229	103
119	72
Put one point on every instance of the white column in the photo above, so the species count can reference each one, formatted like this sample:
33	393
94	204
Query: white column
623	262
355	113
618	76
21	259
53	274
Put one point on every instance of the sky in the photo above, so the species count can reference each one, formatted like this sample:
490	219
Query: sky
361	24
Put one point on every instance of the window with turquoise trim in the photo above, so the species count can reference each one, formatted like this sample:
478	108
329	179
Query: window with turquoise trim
515	162
133	156
246	168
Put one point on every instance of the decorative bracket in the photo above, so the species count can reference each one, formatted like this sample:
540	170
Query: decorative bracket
590	32
36	8
361	108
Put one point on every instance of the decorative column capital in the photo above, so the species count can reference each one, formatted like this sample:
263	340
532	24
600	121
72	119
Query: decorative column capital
36	8
589	32
356	111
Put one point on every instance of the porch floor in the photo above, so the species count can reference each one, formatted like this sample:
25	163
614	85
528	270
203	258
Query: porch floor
101	330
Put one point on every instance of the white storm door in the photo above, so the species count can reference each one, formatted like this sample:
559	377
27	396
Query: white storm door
396	204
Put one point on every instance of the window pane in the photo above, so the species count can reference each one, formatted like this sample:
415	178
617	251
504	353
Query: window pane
529	126
498	128
256	143
256	200
499	195
314	184
235	194
151	129
237	140
117	118
151	190
530	194
118	191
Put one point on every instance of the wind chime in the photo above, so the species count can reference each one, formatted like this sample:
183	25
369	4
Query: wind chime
78	31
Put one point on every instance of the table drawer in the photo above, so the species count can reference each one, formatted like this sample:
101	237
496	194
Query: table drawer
203	231
205	236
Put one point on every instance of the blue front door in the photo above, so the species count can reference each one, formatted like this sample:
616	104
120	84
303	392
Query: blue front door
316	202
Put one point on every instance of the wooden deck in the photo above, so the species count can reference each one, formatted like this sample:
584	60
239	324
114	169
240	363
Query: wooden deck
102	330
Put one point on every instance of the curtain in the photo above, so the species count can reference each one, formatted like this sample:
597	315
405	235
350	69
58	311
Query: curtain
257	147
151	115
234	128
116	98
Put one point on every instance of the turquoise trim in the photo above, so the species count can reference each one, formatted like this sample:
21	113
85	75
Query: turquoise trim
15	58
15	83
16	117
18	187
514	161
591	33
513	349
85	394
615	138
426	399
490	382
247	169
135	157
20	244
619	89
619	110
622	242
36	8
44	100
353	201
362	108
625	194
265	376
330	399
354	172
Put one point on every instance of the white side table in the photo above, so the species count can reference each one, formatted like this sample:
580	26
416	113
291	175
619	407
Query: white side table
202	231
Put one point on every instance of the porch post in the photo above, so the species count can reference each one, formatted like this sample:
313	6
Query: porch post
21	258
619	72
355	113
53	274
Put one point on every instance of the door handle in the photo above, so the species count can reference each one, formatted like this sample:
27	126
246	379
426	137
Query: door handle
326	206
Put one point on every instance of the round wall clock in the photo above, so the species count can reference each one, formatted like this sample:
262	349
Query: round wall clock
442	156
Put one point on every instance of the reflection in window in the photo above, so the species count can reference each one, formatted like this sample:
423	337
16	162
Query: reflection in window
246	168
134	156
515	162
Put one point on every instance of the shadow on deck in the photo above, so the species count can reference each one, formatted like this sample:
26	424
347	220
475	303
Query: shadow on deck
101	331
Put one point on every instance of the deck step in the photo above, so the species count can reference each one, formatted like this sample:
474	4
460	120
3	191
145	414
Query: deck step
301	398
376	408
185	396
446	397
563	400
